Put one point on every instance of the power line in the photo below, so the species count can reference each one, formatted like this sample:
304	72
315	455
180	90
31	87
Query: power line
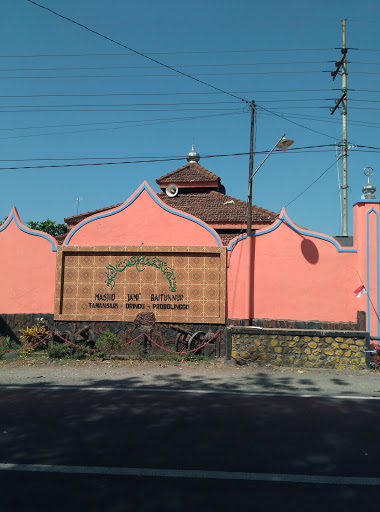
355	122
169	104
367	147
362	90
306	149
118	108
300	150
91	164
202	52
160	157
163	93
311	184
81	68
129	104
317	107
156	61
145	159
142	122
294	122
135	51
193	75
121	110
366	101
301	116
112	122
126	162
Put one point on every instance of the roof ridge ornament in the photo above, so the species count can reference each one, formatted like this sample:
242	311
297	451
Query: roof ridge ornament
193	156
368	189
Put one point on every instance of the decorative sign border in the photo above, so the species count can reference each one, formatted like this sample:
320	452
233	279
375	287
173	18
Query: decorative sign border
136	261
140	257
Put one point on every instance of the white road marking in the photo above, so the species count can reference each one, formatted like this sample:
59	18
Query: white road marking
191	473
147	389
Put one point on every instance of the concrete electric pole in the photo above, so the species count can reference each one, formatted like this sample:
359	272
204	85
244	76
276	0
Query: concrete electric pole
342	64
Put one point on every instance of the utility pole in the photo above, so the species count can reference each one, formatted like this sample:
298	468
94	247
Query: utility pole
344	130
249	206
248	288
342	64
283	144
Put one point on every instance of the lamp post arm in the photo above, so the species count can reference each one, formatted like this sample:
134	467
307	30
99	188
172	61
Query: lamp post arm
268	155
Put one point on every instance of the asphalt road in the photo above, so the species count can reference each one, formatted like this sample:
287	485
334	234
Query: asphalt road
218	377
113	447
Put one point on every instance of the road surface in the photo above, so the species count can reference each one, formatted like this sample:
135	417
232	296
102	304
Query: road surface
259	440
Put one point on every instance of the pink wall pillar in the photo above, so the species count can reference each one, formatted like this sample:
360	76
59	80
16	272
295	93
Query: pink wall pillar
366	238
27	268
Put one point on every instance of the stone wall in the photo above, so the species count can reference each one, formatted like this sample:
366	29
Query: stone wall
162	333
275	323
300	348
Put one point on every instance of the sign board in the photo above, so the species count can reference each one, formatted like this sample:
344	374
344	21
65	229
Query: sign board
177	284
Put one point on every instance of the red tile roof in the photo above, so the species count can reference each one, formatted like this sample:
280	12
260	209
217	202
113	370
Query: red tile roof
211	207
191	172
60	238
230	235
78	218
214	207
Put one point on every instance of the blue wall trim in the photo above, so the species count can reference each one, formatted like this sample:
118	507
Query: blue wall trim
283	218
377	274
157	201
27	230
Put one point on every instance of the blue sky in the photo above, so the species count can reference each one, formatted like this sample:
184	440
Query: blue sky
66	98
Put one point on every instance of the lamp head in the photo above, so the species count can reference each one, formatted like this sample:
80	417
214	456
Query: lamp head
284	143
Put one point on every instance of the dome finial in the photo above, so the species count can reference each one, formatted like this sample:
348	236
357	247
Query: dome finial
193	156
368	189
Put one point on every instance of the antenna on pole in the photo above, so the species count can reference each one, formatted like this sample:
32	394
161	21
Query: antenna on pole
78	200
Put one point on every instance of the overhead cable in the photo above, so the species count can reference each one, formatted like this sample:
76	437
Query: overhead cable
193	75
163	93
155	157
313	183
276	50
81	68
135	51
294	122
130	124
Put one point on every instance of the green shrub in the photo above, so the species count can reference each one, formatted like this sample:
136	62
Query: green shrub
57	351
8	344
108	341
32	335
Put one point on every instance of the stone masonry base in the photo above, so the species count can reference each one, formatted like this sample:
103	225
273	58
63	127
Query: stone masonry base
299	348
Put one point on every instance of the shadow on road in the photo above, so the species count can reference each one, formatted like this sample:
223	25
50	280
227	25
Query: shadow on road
150	377
128	421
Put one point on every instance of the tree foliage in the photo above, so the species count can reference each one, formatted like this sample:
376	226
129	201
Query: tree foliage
47	226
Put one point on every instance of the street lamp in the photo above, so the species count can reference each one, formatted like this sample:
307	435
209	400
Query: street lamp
283	144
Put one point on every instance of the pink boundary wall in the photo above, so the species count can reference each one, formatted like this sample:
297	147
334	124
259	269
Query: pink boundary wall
367	240
27	268
143	219
296	274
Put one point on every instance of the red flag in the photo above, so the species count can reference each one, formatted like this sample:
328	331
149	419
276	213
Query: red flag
359	291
